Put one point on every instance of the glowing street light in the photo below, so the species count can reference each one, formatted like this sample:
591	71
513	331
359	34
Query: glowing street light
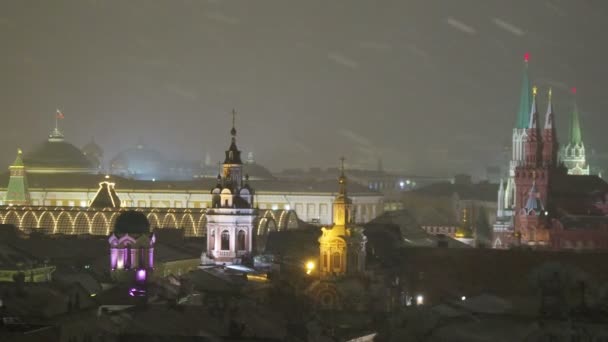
419	300
310	265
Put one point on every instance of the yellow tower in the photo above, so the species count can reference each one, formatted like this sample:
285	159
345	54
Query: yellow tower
342	246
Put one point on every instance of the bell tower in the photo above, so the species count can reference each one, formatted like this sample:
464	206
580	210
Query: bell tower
342	246
230	220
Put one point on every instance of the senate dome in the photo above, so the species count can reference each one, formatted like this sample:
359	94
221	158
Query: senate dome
57	156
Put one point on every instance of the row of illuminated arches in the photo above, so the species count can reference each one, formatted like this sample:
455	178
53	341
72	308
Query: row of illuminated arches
73	221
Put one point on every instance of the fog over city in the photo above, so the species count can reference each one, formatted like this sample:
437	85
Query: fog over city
427	86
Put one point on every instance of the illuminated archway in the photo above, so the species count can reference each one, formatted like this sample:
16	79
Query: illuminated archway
11	218
29	221
82	223
99	224
64	224
169	221
154	221
46	222
187	224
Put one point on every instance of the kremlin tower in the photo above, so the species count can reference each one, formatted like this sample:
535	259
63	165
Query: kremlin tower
506	193
573	153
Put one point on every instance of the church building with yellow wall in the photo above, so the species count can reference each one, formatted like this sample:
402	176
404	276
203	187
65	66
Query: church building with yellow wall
342	245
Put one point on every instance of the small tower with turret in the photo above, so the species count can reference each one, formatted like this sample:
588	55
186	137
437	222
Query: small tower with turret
342	246
17	192
230	220
573	154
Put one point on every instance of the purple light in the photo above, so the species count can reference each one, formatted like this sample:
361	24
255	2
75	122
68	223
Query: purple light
141	275
132	292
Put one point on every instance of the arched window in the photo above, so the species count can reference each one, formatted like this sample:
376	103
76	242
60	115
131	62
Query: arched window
225	241
325	260
336	260
240	240
211	241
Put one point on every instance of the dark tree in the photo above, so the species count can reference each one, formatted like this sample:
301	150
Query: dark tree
19	279
483	230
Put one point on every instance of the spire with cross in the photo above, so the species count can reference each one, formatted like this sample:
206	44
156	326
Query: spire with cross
233	130
342	179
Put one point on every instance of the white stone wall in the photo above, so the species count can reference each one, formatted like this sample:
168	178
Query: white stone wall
309	207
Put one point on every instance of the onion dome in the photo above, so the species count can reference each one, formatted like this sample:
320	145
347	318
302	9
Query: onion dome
131	222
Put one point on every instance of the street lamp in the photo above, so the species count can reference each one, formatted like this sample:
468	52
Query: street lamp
310	265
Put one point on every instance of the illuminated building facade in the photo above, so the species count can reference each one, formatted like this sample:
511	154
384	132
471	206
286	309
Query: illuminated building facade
132	246
573	154
231	218
17	192
554	209
342	245
506	194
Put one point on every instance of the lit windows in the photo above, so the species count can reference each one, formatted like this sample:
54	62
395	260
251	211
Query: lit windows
225	245
240	241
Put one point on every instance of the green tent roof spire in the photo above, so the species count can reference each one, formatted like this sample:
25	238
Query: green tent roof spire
19	159
525	98
576	137
17	192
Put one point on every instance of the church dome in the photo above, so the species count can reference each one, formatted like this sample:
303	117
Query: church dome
131	222
92	149
140	162
256	171
57	155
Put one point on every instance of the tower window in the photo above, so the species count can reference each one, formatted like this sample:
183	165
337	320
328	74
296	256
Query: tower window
336	260
240	238
225	241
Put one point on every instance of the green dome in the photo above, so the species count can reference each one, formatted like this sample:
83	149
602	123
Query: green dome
131	222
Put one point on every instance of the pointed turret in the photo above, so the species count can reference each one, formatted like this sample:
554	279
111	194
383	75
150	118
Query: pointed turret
342	202
525	98
501	199
575	126
573	154
533	118
549	117
17	192
233	166
233	155
550	144
105	197
532	143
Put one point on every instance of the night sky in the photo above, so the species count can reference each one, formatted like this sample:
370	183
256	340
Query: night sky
428	86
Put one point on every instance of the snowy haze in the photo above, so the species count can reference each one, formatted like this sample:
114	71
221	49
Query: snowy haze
428	86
